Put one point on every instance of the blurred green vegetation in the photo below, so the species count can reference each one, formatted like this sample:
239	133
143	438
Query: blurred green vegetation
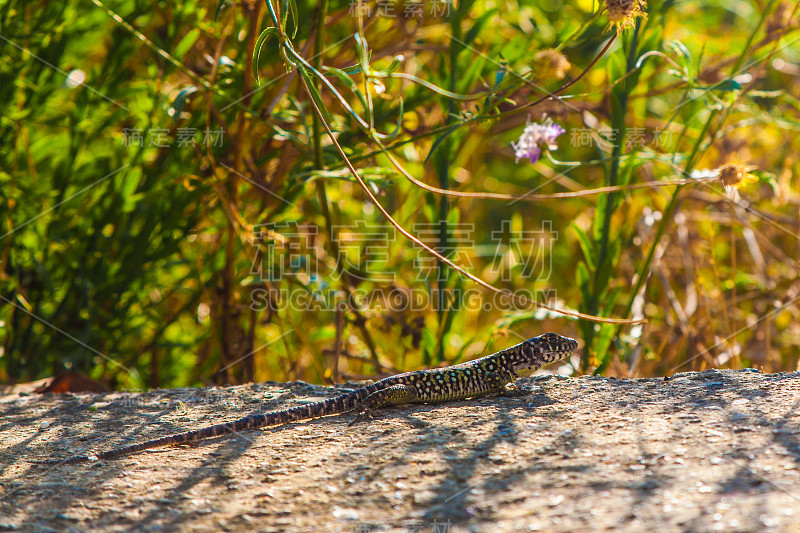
173	212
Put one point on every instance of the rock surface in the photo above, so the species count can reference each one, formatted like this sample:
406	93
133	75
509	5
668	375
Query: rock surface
709	451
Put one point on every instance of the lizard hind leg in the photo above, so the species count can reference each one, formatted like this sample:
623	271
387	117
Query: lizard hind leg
392	395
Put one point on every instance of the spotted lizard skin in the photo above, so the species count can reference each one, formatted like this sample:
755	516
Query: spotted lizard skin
491	374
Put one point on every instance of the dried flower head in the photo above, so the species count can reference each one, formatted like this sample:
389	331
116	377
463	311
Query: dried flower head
552	64
734	173
535	137
623	13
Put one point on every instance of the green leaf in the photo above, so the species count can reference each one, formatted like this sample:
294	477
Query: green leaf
296	21
684	58
394	65
463	9
604	271
467	79
315	94
453	306
427	345
602	343
257	52
440	139
127	192
186	43
501	72
616	249
626	174
362	49
611	299
583	280
180	101
342	76
352	69
586	246
726	86
599	218
616	67
220	6
476	28
396	130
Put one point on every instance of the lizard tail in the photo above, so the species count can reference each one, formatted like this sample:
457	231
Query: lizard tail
331	406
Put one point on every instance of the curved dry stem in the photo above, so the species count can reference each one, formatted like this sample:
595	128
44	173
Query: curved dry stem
411	237
531	197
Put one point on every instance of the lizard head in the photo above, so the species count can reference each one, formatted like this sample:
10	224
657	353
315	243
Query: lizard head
542	350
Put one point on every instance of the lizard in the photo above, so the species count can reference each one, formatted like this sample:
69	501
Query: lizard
491	374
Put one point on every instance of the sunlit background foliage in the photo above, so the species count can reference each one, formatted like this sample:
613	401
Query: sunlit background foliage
163	173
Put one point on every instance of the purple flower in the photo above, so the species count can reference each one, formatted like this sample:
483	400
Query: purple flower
534	138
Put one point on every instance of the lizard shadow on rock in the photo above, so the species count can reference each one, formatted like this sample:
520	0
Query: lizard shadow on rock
431	437
782	432
654	476
225	455
747	477
704	390
14	455
454	504
690	393
17	418
73	483
449	500
120	414
710	397
629	398
741	421
698	390
211	468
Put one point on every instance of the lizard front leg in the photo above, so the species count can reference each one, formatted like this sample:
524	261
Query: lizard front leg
512	390
392	395
500	384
